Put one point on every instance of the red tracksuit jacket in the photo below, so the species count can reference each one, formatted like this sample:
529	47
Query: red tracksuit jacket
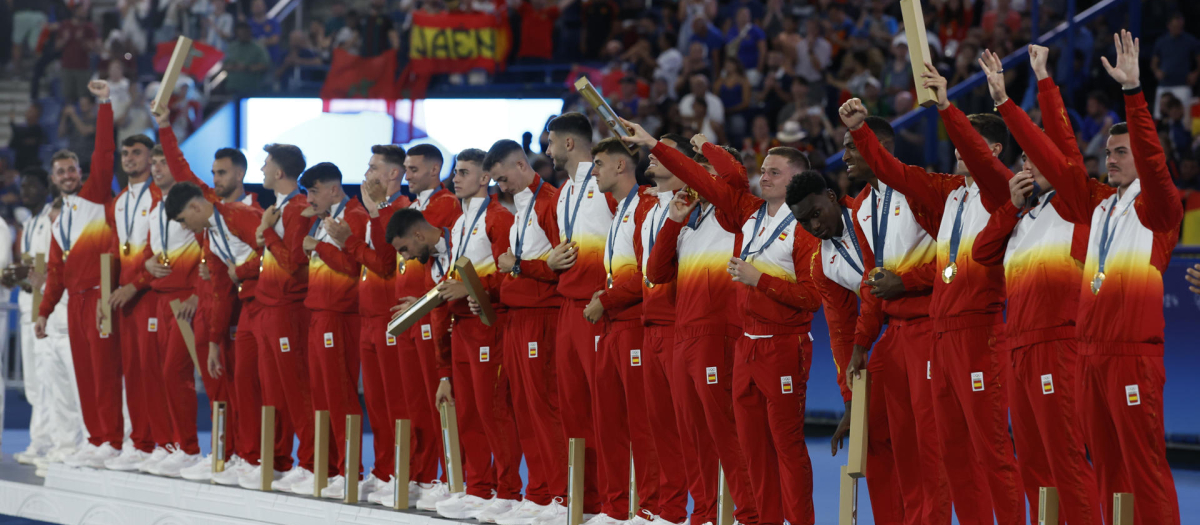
622	300
283	274
333	272
584	214
129	216
534	227
182	252
481	235
658	298
440	208
377	279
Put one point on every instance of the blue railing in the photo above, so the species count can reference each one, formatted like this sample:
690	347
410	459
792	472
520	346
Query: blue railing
1066	29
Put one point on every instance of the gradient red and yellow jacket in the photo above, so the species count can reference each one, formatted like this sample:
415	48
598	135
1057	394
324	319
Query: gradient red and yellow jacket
785	298
440	208
534	225
377	279
837	279
81	233
1042	253
129	216
333	273
172	244
622	299
481	235
218	294
438	268
1125	316
975	296
584	214
283	274
658	299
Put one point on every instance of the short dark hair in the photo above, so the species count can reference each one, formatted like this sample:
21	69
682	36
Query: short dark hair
881	127
574	123
1119	128
134	140
36	174
391	153
1091	157
157	151
471	155
428	151
500	151
235	156
402	222
794	156
681	144
289	158
611	145
64	154
991	127
808	182
323	172
178	198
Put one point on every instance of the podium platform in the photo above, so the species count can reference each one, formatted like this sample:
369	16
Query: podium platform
101	497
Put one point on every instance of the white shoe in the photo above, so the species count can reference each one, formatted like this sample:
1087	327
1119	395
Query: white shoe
496	508
175	463
200	471
556	514
605	519
384	495
27	456
233	469
251	479
290	478
159	455
336	489
103	454
431	494
661	521
81	456
462	508
525	513
368	486
304	487
58	455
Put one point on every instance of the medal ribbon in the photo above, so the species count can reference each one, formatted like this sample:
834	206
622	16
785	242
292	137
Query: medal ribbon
762	212
1106	237
571	218
879	226
853	238
616	226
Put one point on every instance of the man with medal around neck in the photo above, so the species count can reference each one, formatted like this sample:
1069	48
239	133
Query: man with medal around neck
968	363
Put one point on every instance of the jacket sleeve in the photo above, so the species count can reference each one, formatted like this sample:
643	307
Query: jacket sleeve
988	170
736	203
53	290
699	179
992	241
98	187
1074	200
1056	121
284	256
802	294
841	314
376	259
142	278
926	190
545	207
497	224
339	259
920	278
1159	206
870	319
661	266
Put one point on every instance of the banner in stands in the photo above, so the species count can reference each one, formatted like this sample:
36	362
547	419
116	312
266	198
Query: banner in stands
457	43
353	76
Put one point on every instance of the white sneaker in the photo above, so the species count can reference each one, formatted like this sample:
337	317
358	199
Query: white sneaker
159	455
58	455
200	471
496	508
233	469
462	508
605	519
336	489
556	514
81	456
431	494
525	513
27	456
384	495
251	479
304	487
368	486
103	454
173	466
289	479
661	521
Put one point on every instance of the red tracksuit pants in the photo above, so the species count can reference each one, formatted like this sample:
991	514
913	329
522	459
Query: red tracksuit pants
333	368
622	421
706	360
97	359
218	388
1122	405
576	344
141	362
906	475
417	363
529	352
374	343
482	393
258	348
968	369
178	373
770	382
660	385
1047	430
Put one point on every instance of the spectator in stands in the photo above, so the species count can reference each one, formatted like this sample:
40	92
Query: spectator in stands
135	17
1091	163
1099	117
78	125
537	28
799	103
28	139
1177	129
76	39
216	29
813	53
337	18
265	30
1189	174
854	75
750	42
136	118
695	63
774	19
716	109
760	140
28	18
818	136
246	61
704	32
1175	62
322	42
50	54
378	32
733	88
348	38
300	53
897	76
1004	15
628	104
954	18
880	26
599	24
701	122
777	84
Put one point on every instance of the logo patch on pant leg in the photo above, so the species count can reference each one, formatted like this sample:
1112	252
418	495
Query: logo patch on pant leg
152	324
1048	384
485	354
711	372
391	340
328	339
596	345
426	332
976	381
532	349
785	382
1132	396
928	369
284	346
233	332
635	358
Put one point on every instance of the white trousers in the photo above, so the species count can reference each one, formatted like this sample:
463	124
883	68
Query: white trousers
49	374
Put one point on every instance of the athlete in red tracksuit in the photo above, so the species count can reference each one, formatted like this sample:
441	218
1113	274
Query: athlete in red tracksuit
619	401
1134	228
1043	254
693	248
80	235
968	364
671	427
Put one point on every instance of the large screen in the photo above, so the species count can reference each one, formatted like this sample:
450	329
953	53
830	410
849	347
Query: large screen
342	132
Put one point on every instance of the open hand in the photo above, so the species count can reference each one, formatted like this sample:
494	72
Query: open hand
843	429
743	272
563	256
1193	278
121	296
338	230
187	309
994	69
157	269
639	135
1126	71
403	304
853	113
214	360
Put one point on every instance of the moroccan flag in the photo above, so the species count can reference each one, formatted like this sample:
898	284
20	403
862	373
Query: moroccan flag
361	77
201	58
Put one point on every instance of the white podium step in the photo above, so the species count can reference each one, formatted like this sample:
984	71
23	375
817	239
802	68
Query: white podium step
101	497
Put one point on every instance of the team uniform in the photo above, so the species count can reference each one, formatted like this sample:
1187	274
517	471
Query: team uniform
969	360
80	234
1043	256
694	255
1119	325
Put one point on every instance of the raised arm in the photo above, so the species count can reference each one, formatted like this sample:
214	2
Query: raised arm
180	169
1159	206
1075	200
98	187
992	242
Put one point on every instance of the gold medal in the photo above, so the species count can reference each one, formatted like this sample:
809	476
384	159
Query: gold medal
364	273
1097	282
610	281
126	249
949	272
874	273
648	283
65	254
239	287
163	259
402	267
